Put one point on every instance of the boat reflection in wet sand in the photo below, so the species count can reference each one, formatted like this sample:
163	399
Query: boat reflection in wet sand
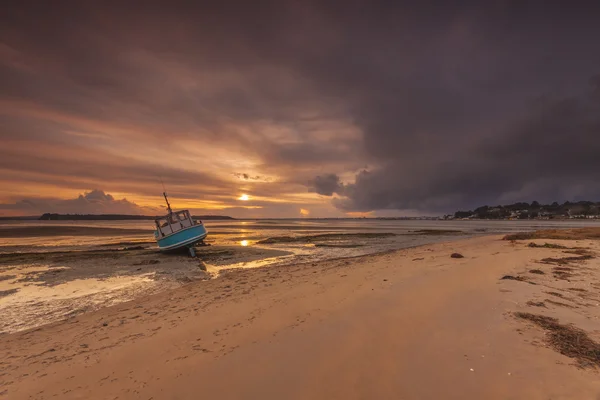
177	230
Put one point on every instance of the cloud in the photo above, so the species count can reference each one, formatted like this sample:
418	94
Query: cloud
327	185
441	106
247	177
92	202
549	154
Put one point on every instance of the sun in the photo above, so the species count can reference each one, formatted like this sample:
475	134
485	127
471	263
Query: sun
244	197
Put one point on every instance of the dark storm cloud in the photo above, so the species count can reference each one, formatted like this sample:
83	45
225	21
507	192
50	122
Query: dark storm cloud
550	154
491	105
327	185
453	105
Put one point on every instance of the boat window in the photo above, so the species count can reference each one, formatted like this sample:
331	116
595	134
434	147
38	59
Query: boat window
175	222
184	218
186	221
161	222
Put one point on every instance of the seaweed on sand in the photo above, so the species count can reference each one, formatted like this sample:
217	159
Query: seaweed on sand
323	237
517	278
536	271
536	303
547	245
562	273
433	232
565	260
561	234
519	236
8	292
68	256
565	276
341	246
579	251
558	303
568	340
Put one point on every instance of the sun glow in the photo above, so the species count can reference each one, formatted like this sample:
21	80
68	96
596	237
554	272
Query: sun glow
244	197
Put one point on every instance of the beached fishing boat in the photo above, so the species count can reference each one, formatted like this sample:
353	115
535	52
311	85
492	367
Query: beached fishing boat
177	230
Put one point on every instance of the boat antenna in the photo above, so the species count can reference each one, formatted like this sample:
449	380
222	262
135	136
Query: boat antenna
165	194
168	205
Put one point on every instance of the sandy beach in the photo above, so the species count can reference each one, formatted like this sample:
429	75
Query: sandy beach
411	324
50	271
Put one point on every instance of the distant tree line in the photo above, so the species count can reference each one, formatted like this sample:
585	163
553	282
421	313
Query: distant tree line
522	210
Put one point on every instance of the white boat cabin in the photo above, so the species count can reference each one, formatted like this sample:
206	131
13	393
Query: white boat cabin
174	222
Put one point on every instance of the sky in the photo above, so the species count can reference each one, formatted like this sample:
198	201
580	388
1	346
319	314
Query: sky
297	108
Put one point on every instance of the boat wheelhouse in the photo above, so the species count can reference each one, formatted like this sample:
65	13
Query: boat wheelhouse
178	229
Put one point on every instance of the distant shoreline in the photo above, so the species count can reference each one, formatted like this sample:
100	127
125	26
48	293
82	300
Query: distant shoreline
103	217
112	217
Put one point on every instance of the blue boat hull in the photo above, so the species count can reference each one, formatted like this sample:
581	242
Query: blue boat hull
183	238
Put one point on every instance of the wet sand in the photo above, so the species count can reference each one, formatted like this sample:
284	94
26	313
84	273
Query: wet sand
43	284
411	324
37	288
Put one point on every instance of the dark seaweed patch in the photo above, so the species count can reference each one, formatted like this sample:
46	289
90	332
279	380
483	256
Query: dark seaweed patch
567	339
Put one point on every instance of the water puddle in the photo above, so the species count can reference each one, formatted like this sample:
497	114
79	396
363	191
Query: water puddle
27	304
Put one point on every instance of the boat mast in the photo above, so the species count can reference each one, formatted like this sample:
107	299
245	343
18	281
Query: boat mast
168	205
